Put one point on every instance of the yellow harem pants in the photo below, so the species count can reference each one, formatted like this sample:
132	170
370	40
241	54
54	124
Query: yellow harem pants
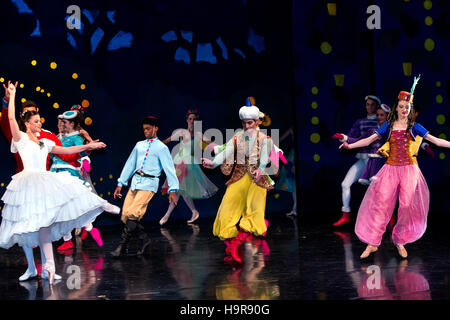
243	200
135	204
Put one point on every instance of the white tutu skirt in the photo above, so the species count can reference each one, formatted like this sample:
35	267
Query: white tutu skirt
37	199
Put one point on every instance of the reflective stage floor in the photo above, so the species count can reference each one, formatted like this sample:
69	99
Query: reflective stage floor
185	262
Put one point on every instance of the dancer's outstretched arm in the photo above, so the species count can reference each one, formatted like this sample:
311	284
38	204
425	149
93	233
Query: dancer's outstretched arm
437	141
361	143
15	131
77	149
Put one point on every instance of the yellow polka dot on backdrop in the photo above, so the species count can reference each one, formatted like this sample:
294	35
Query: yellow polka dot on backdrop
315	138
88	121
429	44
316	158
53	65
314	105
442	156
23	100
440	119
21	85
439	99
33	62
427	4
443	136
42	120
2	79
315	90
56	105
326	47
82	86
428	21
74	75
438	83
315	120
85	103
38	88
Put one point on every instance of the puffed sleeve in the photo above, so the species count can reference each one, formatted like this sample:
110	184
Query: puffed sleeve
383	129
419	130
19	145
49	144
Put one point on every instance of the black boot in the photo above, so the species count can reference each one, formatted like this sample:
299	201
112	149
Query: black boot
144	239
128	229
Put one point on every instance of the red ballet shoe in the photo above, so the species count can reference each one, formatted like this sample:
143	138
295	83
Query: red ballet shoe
96	236
345	219
84	233
66	245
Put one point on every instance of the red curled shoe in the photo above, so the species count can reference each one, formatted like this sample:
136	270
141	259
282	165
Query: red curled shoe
66	245
235	243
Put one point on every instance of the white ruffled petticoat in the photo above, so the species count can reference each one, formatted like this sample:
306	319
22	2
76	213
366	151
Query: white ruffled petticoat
37	198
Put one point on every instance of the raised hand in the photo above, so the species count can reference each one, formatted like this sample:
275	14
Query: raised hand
11	90
7	92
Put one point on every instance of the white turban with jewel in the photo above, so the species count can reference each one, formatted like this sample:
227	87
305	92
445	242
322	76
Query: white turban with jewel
249	111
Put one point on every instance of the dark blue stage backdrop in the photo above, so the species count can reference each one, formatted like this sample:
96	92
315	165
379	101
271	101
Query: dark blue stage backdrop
338	60
130	59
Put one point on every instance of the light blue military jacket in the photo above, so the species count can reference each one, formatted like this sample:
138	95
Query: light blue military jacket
157	159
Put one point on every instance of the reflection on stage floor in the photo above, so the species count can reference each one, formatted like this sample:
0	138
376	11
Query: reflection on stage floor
185	262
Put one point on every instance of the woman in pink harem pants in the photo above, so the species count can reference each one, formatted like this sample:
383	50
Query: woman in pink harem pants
399	177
